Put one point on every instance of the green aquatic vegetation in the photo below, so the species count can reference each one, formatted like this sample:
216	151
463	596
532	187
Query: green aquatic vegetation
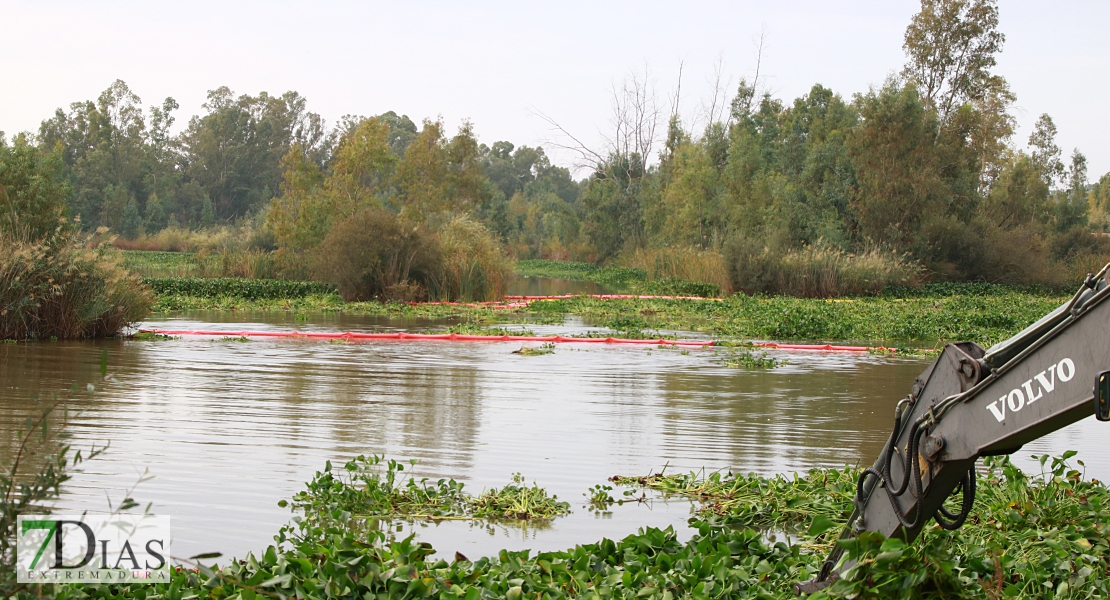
780	503
750	359
239	338
882	320
1043	536
599	498
373	487
931	315
470	328
517	501
542	349
147	336
239	288
620	279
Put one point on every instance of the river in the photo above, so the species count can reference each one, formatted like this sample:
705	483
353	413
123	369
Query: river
226	429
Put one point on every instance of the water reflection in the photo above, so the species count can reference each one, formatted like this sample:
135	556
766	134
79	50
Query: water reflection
229	428
545	286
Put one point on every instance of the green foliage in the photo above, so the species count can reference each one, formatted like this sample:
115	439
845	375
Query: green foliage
131	222
375	255
599	498
1042	536
750	359
364	490
32	193
542	349
621	279
242	289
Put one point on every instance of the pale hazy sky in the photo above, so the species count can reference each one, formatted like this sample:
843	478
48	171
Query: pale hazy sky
498	63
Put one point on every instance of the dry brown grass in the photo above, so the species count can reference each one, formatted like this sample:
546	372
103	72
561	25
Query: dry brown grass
813	272
681	264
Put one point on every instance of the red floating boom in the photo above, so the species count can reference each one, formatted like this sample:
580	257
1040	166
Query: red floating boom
443	337
459	337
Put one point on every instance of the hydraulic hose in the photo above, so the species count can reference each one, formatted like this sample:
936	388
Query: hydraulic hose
951	521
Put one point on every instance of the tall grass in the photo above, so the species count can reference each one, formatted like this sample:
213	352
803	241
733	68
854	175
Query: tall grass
474	266
66	286
821	273
680	264
176	239
816	272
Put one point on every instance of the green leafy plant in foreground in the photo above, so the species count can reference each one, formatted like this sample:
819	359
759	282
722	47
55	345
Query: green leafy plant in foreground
373	487
1043	536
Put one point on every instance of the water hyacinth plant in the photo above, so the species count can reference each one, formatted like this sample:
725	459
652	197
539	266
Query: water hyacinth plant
374	487
1043	536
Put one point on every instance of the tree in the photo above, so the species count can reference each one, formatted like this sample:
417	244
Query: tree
294	217
422	175
1071	204
155	214
1098	203
103	148
33	191
951	47
1046	154
235	151
896	165
362	171
207	212
1019	196
131	222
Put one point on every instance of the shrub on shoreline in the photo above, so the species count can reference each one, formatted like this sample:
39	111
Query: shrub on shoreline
68	287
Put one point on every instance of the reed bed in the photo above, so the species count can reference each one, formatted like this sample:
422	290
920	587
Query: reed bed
66	286
818	272
680	265
474	267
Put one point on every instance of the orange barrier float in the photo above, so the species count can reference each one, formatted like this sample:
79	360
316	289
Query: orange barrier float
459	337
442	337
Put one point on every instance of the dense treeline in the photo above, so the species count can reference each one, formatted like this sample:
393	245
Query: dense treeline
918	177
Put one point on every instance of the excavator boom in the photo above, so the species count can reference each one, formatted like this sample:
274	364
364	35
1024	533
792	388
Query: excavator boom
973	402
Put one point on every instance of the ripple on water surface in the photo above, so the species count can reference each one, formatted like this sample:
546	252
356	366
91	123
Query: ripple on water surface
228	428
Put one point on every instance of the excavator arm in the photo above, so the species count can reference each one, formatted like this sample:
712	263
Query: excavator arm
973	402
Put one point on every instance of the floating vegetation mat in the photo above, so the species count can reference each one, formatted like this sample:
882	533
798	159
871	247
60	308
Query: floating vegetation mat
373	487
1044	536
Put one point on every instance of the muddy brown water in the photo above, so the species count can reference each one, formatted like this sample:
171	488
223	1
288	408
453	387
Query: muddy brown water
226	429
547	286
